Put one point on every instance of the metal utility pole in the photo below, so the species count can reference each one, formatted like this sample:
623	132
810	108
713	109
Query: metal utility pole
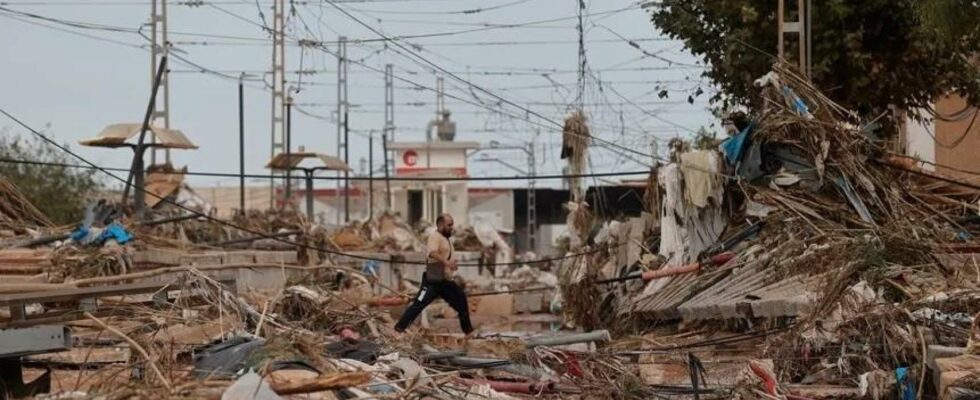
440	97
370	176
801	27
384	150
582	60
159	49
388	133
309	195
136	170
278	87
346	172
241	144
531	173
289	147
342	111
389	129
532	213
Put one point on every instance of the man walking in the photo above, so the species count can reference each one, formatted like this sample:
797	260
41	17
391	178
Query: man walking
437	279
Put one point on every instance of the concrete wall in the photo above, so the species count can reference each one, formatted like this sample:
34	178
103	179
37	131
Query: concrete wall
547	236
493	206
226	198
430	158
956	147
919	142
456	201
453	195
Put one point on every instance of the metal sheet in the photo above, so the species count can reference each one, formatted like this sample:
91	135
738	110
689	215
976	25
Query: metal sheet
116	135
34	340
283	161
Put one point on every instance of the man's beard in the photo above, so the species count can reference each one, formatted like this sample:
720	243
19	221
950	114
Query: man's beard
446	233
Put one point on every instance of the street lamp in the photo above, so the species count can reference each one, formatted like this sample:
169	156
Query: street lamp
290	161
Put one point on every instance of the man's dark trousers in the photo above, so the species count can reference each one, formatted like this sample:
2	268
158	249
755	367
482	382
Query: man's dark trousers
431	290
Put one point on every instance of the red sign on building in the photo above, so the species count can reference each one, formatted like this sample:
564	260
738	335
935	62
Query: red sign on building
410	158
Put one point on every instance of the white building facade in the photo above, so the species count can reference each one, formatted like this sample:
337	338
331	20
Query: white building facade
424	200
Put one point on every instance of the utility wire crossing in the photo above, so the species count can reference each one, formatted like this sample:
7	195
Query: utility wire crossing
264	235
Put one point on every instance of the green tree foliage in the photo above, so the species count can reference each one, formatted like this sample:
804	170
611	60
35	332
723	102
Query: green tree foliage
867	54
61	193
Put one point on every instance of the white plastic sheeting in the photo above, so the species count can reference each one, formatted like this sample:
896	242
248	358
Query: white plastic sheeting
490	236
686	230
250	386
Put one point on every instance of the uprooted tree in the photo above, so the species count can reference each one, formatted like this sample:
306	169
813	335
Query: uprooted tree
866	55
59	192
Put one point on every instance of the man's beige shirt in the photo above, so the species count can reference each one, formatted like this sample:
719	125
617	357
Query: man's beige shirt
438	245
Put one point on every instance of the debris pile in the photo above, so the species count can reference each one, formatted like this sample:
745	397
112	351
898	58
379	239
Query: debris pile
16	211
797	260
850	268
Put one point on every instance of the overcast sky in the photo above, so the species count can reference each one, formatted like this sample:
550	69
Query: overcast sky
80	80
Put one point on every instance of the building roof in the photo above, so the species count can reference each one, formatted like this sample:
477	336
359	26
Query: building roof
283	161
438	145
116	135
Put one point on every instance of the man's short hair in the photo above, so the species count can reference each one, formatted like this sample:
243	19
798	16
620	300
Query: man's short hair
441	219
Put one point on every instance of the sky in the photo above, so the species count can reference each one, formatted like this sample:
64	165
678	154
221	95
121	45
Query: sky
513	63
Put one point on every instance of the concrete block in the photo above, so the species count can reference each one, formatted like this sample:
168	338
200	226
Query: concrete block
263	280
666	374
950	369
276	257
528	303
237	257
673	371
201	259
158	256
498	304
37	339
935	352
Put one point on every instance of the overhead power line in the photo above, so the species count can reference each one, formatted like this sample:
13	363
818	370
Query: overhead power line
468	11
264	235
336	178
606	143
228	77
478	87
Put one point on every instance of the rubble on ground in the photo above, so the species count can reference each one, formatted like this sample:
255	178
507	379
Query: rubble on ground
795	260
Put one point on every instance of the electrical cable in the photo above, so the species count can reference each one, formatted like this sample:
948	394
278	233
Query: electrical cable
456	32
267	236
334	178
322	48
958	141
89	26
646	53
488	92
954	117
469	11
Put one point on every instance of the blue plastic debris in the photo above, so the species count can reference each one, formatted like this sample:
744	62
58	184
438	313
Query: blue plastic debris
117	232
371	268
81	235
798	104
734	146
85	235
906	386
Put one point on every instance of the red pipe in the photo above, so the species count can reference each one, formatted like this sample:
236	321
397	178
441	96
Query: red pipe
768	380
717	259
